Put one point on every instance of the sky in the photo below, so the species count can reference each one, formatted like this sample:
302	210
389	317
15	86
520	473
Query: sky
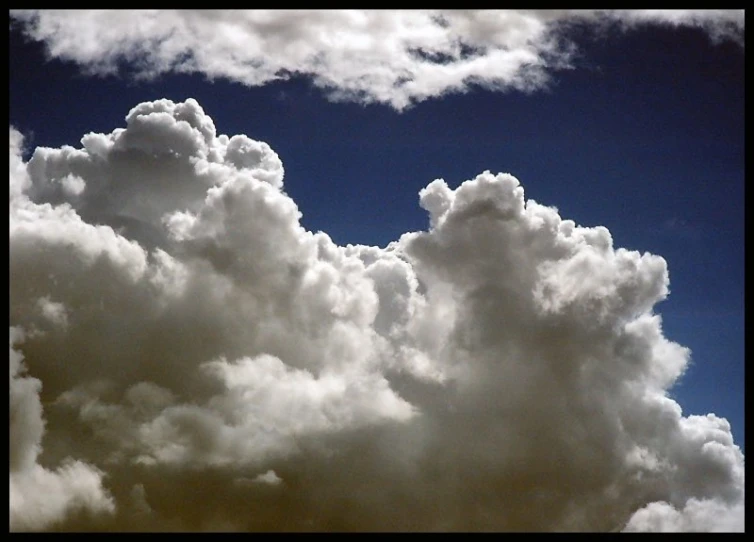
376	271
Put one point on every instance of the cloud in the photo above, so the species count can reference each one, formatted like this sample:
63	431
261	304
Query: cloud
212	365
719	24
40	497
696	515
393	57
268	478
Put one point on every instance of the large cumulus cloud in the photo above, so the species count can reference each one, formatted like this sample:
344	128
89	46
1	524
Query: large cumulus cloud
203	362
394	57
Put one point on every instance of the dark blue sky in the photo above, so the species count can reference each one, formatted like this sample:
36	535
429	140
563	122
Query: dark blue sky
645	136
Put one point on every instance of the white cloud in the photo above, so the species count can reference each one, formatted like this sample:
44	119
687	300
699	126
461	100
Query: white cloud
54	312
265	407
269	478
503	370
73	185
697	515
397	57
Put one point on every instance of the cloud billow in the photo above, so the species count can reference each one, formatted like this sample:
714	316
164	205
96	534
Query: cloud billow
177	333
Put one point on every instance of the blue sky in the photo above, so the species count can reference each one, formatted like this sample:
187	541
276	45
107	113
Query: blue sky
642	134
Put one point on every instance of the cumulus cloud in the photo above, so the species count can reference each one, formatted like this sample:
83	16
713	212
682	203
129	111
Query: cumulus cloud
212	365
397	57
